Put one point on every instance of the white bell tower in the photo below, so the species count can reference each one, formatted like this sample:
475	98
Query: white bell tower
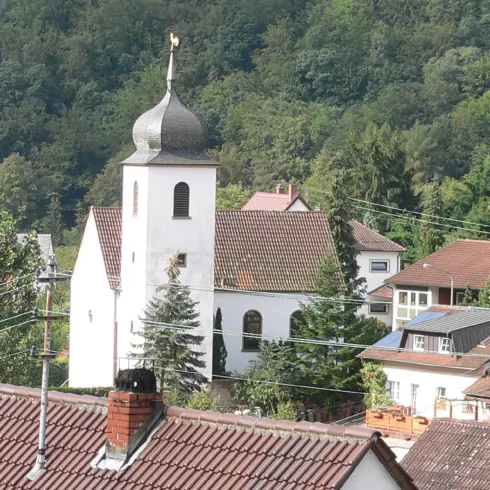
169	207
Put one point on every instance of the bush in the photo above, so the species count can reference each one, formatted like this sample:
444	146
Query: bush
204	400
96	391
285	411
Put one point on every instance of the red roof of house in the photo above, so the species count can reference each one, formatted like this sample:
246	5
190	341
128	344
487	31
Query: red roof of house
467	260
190	449
382	291
271	201
431	358
108	222
480	388
255	250
270	251
451	455
370	240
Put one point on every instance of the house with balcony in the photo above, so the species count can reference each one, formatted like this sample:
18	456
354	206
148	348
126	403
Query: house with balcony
433	362
439	279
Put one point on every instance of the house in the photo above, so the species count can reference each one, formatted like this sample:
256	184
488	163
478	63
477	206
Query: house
434	359
278	201
428	281
451	454
258	266
132	441
45	245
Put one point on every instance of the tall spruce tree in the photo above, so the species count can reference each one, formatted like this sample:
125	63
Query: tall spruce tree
177	359
431	236
219	347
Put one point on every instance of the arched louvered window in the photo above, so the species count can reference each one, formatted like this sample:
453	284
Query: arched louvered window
252	324
135	199
181	200
295	320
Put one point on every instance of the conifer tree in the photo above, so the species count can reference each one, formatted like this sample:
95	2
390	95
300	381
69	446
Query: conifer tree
219	347
431	237
468	298
484	296
177	358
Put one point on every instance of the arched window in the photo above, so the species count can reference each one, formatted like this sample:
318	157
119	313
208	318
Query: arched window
135	199
252	324
181	200
295	320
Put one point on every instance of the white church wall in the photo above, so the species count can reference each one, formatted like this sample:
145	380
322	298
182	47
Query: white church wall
276	313
299	205
133	257
91	319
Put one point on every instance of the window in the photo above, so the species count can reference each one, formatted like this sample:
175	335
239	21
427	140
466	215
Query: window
393	390
378	308
444	345
379	266
135	199
418	342
182	260
252	324
409	305
295	320
181	200
131	326
440	392
133	257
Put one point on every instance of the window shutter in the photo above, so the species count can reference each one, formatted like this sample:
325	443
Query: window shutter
181	200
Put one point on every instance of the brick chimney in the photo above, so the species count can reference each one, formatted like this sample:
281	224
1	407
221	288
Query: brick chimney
134	408
293	191
280	189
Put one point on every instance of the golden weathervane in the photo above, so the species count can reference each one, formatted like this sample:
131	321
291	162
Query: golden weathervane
174	40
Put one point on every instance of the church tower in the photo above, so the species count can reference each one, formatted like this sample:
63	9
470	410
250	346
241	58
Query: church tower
169	207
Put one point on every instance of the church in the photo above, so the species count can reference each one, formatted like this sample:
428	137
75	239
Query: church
257	264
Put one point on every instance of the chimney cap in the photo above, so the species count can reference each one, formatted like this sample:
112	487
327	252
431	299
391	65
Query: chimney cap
280	189
136	381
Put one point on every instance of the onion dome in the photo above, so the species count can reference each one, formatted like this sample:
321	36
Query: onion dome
169	132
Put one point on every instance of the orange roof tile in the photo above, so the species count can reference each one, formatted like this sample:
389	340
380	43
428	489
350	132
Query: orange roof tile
370	240
467	260
108	222
480	388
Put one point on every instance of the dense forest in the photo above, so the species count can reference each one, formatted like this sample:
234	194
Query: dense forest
388	99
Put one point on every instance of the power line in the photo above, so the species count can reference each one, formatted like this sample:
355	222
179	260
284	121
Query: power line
16	316
10	291
18	325
14	279
419	213
326	343
14	354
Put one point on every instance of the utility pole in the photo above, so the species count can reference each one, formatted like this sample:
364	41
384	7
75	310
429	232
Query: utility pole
46	357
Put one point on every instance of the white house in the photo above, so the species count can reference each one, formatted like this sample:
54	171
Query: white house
256	265
424	365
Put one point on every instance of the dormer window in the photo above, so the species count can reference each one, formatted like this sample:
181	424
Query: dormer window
418	342
181	200
444	345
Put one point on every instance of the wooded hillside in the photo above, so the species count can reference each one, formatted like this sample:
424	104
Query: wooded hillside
395	92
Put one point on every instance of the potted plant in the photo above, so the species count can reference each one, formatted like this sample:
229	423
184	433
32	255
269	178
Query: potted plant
398	416
422	420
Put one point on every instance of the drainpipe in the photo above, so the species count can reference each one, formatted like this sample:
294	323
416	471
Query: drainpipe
117	290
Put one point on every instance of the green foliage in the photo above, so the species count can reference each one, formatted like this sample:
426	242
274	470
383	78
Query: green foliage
177	359
95	391
219	347
374	384
286	410
204	400
275	363
468	298
232	197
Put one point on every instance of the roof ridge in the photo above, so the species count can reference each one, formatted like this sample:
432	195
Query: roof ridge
53	396
265	423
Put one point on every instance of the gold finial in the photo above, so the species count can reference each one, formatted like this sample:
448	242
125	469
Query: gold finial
174	40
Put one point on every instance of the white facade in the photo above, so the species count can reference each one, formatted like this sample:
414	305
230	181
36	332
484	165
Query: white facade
276	314
419	386
154	235
371	268
91	360
370	474
299	205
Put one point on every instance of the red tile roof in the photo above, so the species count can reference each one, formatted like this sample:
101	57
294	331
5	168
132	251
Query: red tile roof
271	201
109	227
382	292
255	250
467	260
190	449
370	240
431	358
451	455
450	310
480	388
270	250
